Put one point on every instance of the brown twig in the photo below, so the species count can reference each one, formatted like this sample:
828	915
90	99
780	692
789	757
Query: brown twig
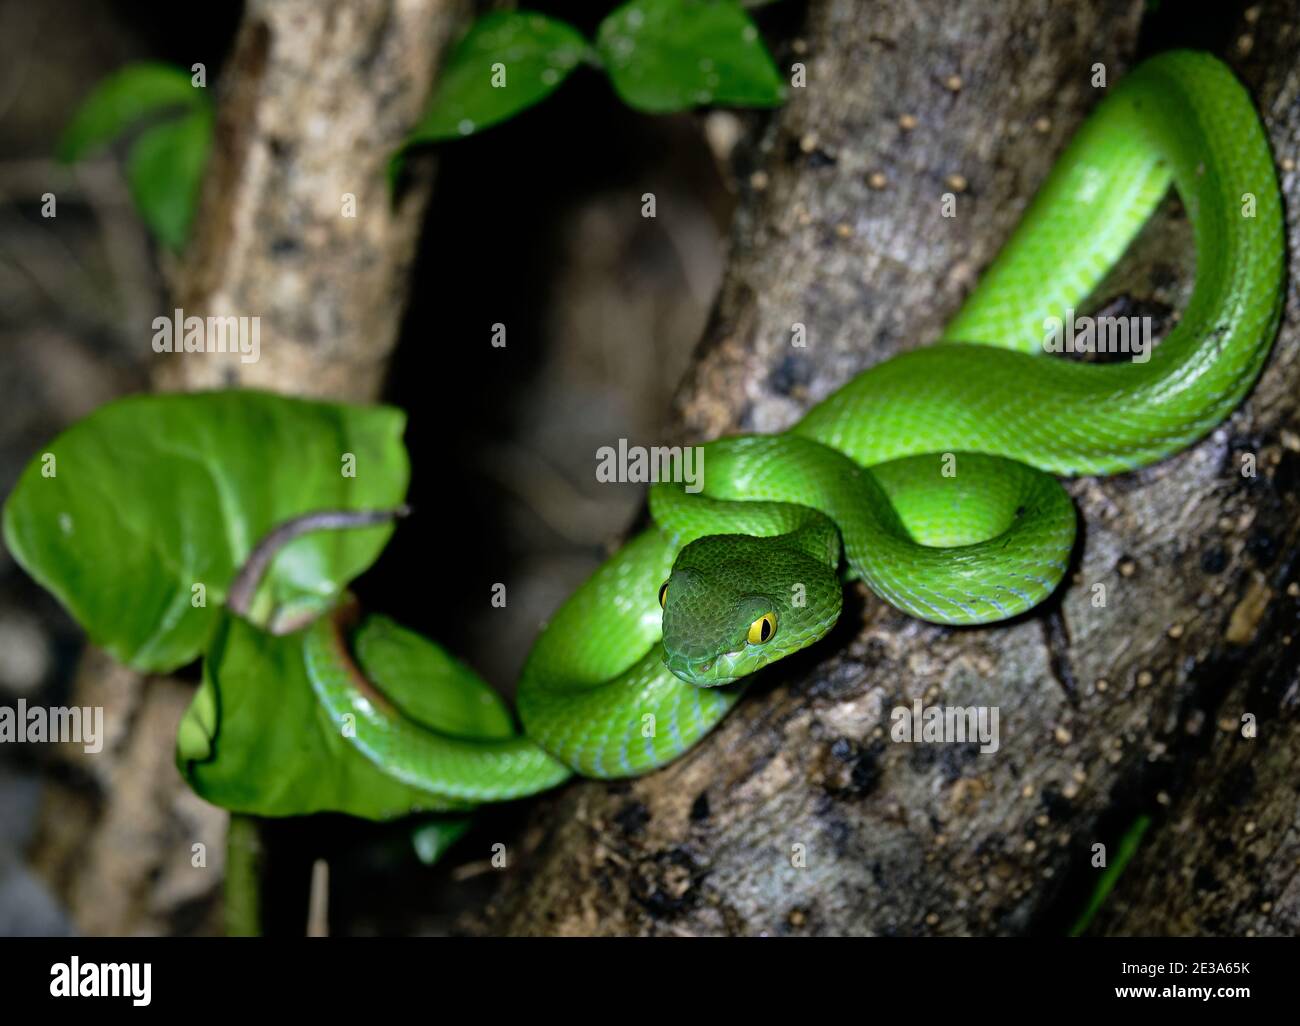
242	589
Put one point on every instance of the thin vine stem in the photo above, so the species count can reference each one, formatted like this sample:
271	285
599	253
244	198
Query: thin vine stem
245	847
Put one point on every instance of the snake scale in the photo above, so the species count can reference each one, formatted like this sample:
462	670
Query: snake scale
929	476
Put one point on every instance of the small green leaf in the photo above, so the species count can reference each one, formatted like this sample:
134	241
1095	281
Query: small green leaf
256	740
1127	848
509	61
124	98
138	517
668	55
433	838
165	170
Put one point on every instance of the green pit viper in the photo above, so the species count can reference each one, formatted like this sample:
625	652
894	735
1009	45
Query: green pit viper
651	652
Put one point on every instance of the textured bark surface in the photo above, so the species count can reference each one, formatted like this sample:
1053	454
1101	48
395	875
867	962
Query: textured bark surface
321	95
316	96
799	814
1227	860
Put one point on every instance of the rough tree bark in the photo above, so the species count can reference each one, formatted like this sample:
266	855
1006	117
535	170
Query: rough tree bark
315	97
1105	711
1226	861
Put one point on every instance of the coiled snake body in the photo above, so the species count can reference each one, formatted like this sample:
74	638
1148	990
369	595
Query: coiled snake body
929	473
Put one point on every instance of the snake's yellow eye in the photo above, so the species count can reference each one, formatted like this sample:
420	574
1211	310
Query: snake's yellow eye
663	594
762	629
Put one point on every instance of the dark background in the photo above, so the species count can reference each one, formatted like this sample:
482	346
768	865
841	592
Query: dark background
536	224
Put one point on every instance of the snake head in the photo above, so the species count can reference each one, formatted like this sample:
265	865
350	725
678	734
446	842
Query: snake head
735	603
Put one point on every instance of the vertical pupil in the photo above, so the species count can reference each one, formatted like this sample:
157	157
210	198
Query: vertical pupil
765	631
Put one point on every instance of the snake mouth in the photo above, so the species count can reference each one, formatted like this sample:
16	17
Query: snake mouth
697	671
693	671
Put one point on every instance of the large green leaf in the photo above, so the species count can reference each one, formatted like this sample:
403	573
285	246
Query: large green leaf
667	55
255	739
165	170
152	496
123	99
526	55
